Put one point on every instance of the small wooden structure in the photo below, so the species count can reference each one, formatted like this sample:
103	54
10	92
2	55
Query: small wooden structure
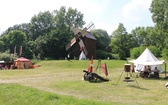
90	44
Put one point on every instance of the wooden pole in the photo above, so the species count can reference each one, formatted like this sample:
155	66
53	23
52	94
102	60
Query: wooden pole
165	69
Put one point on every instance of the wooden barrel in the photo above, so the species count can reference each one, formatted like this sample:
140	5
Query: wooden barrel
127	67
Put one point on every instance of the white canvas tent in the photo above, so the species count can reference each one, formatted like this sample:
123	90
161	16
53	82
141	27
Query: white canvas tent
2	61
82	56
146	58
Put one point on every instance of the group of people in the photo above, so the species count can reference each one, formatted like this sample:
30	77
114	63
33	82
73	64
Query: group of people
6	66
147	71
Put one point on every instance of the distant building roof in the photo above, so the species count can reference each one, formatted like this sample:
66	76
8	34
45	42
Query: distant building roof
90	36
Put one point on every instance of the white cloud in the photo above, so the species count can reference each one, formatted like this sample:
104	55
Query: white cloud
136	13
136	9
105	14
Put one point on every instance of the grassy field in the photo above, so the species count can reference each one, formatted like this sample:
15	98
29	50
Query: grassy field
59	82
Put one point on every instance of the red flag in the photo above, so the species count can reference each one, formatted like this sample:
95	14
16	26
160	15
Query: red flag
90	65
15	51
20	51
104	69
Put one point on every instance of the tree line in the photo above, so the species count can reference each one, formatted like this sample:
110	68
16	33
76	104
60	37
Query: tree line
47	33
130	44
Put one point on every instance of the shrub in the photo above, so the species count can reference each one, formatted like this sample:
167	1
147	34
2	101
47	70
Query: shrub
165	54
115	56
155	51
6	56
122	55
100	54
103	55
137	51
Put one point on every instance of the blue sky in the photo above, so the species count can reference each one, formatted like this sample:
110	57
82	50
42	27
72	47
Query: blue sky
105	14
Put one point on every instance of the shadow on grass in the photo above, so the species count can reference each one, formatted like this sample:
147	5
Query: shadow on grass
137	87
98	81
156	79
133	86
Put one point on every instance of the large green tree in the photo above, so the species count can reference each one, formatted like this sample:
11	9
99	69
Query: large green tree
66	19
102	43
2	44
41	24
22	27
159	10
51	43
103	39
140	36
46	35
120	42
14	38
154	37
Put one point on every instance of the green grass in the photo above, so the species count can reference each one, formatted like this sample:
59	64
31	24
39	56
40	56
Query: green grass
62	79
14	94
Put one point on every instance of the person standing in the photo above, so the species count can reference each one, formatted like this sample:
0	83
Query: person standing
156	72
68	57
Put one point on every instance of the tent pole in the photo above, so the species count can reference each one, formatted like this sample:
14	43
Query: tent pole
165	69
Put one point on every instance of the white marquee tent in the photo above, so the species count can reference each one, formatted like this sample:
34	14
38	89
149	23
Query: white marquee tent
82	56
146	58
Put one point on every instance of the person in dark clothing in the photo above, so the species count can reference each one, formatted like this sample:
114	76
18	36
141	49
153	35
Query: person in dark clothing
146	72
68	57
156	72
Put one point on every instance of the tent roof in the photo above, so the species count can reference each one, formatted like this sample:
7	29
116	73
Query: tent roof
147	58
22	59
